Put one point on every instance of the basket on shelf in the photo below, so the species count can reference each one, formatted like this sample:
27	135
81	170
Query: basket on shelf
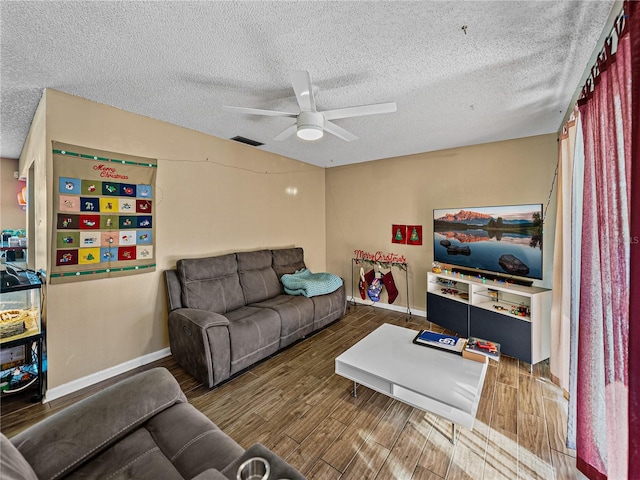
17	321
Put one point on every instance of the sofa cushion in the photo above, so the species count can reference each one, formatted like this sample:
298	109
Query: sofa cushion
257	278
254	334
13	465
191	441
296	315
178	443
287	260
136	456
210	283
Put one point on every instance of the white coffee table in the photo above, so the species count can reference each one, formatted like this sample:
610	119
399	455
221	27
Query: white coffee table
432	380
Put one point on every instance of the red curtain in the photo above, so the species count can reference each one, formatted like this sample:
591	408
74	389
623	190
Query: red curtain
603	326
633	8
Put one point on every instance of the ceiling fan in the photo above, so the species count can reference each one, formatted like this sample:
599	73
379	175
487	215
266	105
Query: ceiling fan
310	123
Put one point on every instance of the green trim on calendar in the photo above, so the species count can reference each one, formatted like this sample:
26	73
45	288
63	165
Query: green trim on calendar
102	270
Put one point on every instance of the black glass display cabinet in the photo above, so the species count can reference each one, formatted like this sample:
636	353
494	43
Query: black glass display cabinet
21	334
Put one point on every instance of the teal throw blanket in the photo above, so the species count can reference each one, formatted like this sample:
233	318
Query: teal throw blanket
303	282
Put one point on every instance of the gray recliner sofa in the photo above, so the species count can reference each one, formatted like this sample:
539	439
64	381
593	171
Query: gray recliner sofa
230	311
141	428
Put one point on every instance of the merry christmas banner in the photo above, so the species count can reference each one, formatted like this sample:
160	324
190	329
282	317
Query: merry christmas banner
103	214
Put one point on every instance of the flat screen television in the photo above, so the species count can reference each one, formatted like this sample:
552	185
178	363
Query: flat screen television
506	240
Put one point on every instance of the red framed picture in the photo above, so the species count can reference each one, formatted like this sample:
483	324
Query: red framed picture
399	234
414	234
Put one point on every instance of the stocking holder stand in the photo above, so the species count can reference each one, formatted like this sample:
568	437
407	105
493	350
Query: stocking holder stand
356	262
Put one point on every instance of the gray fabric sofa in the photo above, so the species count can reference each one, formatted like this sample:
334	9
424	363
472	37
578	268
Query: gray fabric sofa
140	428
230	311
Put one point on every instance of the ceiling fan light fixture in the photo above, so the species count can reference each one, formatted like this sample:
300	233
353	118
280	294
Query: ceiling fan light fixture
310	126
309	132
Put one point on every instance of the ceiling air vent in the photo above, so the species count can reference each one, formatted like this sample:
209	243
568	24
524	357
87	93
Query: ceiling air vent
248	141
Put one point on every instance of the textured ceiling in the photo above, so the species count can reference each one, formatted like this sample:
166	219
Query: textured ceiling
510	73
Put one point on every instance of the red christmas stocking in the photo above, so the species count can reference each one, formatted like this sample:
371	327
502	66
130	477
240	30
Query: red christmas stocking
369	276
362	285
390	285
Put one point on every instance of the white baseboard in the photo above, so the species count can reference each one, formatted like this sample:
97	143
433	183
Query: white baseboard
79	384
395	308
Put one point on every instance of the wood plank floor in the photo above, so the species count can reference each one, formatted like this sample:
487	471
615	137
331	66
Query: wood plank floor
295	405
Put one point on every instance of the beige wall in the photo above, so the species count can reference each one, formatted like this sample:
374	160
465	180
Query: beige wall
216	196
12	215
33	166
212	196
364	200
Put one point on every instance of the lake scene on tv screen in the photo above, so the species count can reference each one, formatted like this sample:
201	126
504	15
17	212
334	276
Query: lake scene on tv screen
503	239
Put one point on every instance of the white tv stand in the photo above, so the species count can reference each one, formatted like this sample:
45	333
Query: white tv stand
515	316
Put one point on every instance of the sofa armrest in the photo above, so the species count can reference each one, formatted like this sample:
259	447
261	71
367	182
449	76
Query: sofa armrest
199	342
61	442
13	465
211	474
193	319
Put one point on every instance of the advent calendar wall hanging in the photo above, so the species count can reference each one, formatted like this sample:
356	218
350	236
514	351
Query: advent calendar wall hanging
103	214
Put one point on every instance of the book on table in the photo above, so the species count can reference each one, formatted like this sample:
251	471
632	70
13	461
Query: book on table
441	341
479	349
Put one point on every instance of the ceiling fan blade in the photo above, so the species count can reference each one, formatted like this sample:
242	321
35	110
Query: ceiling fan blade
389	107
259	111
339	132
286	133
301	82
